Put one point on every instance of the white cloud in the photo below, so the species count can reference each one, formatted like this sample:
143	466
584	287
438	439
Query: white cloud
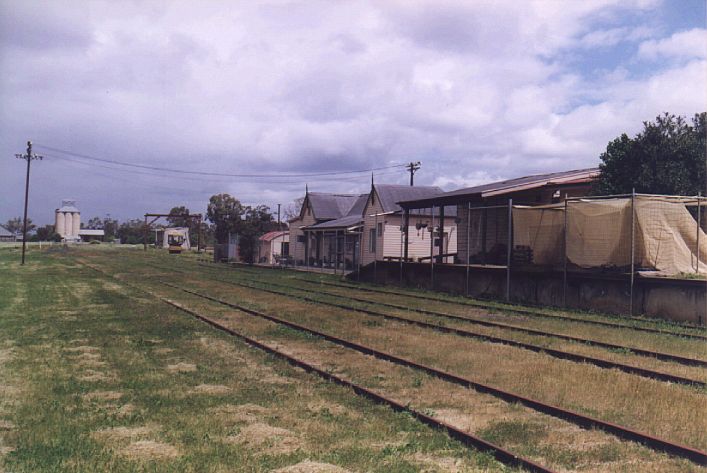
476	90
683	44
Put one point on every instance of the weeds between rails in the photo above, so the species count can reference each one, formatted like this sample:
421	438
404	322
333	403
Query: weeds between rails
558	353
499	453
643	372
517	310
581	420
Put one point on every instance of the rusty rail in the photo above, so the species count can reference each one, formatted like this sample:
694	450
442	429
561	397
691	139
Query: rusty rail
557	353
576	418
499	453
517	310
564	355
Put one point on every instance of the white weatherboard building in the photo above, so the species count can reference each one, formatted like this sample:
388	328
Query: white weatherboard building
68	220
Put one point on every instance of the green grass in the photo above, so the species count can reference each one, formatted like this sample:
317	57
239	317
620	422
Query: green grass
56	419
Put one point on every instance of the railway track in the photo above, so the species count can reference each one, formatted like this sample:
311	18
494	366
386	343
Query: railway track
499	453
576	418
556	353
517	310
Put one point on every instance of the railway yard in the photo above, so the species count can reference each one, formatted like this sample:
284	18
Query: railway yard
123	360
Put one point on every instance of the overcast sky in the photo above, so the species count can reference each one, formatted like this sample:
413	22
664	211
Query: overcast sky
476	90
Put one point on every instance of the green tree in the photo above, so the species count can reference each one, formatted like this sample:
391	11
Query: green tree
110	228
257	221
95	223
132	232
667	157
46	233
226	213
14	225
179	221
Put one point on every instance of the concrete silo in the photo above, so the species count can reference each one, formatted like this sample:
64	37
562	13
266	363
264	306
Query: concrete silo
68	224
68	220
59	223
77	224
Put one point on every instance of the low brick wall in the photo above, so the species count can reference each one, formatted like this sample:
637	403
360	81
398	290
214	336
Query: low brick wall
671	299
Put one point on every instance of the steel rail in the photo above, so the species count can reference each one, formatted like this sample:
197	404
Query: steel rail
637	351
499	453
518	310
576	418
526	312
564	355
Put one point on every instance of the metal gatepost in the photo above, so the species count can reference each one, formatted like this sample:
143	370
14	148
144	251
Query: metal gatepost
510	249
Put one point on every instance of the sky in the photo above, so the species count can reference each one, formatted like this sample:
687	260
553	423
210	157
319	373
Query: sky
477	91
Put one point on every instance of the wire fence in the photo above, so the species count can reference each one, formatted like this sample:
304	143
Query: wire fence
630	235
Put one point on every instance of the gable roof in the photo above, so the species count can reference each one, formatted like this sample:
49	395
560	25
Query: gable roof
4	232
391	194
577	176
332	206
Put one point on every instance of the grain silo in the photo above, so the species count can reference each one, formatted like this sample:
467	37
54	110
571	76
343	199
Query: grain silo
68	220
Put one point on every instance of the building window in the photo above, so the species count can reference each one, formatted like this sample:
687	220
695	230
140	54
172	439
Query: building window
372	240
380	229
300	239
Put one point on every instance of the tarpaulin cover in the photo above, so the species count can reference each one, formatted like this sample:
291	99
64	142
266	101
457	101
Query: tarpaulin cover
599	234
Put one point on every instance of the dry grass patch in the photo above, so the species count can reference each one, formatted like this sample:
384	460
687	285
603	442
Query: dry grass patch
149	450
247	413
93	376
181	368
116	434
102	396
266	438
312	467
210	389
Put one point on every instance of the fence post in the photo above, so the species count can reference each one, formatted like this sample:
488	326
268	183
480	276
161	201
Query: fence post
699	223
401	256
633	244
336	251
375	249
564	260
468	226
432	248
510	249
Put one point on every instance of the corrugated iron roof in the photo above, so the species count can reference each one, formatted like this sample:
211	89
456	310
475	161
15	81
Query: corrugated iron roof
269	236
343	222
331	206
508	186
391	194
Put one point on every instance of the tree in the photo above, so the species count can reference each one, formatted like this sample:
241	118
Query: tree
667	157
292	210
226	213
14	225
132	232
179	221
110	229
257	221
95	223
46	233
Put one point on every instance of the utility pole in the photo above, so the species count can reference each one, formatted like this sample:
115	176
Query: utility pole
27	157
413	167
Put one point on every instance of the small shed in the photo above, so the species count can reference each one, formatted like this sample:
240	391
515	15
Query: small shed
176	232
273	245
6	235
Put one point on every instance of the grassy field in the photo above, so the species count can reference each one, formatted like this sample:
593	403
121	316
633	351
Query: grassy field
98	376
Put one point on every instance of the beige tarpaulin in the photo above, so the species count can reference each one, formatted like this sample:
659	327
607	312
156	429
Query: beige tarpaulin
599	234
541	229
668	237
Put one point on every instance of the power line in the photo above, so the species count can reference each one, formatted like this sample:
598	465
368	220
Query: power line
281	179
205	173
